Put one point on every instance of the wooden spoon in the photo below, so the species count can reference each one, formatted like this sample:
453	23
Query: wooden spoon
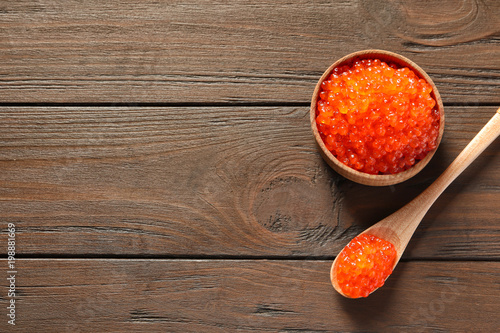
399	227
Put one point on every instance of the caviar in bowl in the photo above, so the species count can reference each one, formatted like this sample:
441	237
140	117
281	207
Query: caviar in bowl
377	117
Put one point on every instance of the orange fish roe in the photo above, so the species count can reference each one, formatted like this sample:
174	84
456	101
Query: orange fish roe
377	118
364	265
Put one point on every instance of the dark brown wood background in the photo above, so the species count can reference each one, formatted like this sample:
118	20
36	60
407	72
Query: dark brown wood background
157	161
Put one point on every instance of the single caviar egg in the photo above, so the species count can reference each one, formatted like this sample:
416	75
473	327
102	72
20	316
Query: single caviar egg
364	265
377	118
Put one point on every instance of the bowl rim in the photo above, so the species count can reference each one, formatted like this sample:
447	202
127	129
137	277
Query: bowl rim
358	176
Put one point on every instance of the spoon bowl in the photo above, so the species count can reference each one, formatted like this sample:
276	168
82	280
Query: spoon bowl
352	174
399	227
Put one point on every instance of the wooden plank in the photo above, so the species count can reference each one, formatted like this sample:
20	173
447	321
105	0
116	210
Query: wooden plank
219	181
205	51
262	296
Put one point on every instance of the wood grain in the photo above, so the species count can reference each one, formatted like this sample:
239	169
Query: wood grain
231	214
229	52
248	296
206	181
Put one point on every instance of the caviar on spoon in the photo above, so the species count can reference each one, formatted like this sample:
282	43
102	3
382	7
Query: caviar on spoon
366	262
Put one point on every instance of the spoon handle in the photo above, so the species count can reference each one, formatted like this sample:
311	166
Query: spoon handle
483	139
400	226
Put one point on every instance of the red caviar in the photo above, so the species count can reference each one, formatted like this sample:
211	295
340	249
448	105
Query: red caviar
364	265
377	118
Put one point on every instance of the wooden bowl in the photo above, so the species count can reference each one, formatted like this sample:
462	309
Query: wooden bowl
361	177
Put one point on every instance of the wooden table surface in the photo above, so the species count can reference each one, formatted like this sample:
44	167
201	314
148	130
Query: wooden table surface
157	163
